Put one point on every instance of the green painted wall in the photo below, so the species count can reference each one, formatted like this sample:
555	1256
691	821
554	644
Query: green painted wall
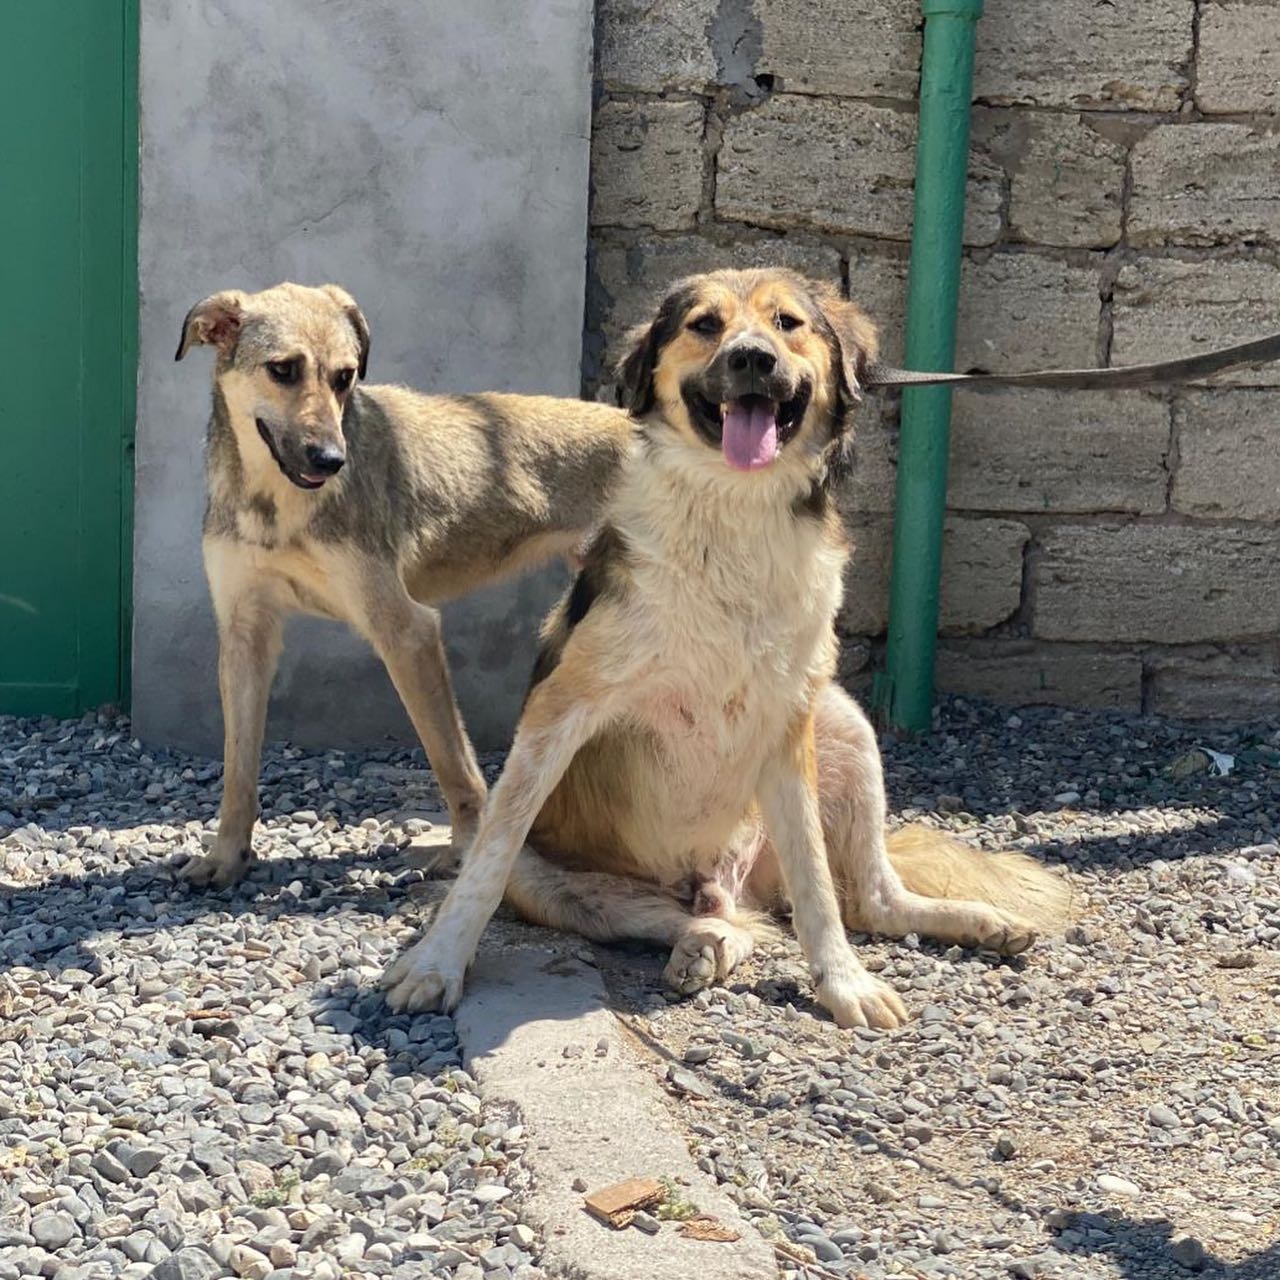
68	330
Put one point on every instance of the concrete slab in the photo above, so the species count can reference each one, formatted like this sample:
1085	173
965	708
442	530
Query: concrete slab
537	1034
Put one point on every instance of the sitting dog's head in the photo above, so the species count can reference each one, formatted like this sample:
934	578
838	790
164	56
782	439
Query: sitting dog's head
287	360
752	364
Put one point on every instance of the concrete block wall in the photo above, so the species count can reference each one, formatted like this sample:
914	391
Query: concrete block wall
1117	550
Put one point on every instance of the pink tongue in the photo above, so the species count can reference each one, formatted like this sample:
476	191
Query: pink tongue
750	435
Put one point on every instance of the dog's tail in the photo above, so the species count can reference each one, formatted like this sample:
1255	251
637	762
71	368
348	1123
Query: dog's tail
934	865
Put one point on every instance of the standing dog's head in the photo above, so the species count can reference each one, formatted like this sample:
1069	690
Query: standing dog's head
753	364
287	360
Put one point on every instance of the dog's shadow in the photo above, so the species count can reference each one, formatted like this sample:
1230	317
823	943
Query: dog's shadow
1141	1250
277	887
297	884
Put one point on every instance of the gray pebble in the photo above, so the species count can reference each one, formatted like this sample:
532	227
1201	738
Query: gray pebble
188	1264
109	1167
1187	1252
53	1230
687	1083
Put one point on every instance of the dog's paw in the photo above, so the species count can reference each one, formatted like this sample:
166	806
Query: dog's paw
1011	939
709	952
217	869
995	931
436	861
422	979
689	971
856	999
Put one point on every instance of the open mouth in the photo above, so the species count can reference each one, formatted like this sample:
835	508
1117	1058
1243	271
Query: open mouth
750	430
303	479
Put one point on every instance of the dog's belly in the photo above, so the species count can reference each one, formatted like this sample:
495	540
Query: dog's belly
710	753
665	794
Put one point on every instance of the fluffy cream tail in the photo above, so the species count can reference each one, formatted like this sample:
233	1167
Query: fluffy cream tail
934	865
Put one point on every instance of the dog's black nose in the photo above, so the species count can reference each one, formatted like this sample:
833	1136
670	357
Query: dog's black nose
756	360
325	459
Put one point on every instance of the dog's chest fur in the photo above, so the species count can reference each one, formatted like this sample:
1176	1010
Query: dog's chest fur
727	630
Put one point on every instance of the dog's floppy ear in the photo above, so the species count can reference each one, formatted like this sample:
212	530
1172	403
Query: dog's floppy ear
644	345
635	369
855	338
216	319
358	322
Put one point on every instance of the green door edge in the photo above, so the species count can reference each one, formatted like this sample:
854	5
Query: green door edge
103	576
110	259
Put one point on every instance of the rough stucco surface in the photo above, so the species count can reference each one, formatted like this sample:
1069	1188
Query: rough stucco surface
432	158
1102	550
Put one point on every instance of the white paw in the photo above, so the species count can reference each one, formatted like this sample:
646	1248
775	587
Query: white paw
1010	936
424	978
856	999
217	869
991	930
709	952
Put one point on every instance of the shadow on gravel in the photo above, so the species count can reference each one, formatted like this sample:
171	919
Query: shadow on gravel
1143	1250
1210	835
415	1044
270	891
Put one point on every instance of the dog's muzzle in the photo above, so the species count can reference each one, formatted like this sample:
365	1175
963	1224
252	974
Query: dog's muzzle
323	461
745	405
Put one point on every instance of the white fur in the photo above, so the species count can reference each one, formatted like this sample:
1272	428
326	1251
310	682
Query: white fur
717	647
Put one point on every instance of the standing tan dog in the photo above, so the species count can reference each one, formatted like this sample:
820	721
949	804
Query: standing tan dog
369	505
684	761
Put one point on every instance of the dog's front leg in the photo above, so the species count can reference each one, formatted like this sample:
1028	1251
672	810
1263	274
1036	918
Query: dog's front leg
409	640
249	642
789	802
556	721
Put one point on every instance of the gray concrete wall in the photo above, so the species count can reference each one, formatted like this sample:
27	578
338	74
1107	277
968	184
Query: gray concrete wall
433	159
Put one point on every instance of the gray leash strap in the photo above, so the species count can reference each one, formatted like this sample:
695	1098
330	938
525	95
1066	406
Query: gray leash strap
1260	351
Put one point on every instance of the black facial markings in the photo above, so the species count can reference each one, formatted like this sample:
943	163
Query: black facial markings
708	325
285	372
704	415
269	440
637	367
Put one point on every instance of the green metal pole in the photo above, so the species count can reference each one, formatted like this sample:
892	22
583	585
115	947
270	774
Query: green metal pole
905	693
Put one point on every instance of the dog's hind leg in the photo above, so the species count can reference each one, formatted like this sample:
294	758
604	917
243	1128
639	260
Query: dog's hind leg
874	897
408	638
608	908
249	642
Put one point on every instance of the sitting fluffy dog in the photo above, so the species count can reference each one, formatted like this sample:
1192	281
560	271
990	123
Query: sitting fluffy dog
684	762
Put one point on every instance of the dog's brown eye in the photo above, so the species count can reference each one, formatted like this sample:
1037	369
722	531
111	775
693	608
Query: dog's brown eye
786	323
285	371
706	325
342	379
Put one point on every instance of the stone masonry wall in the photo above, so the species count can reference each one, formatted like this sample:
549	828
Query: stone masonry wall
1116	550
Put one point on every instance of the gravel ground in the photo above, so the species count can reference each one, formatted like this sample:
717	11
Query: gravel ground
1106	1106
198	1085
